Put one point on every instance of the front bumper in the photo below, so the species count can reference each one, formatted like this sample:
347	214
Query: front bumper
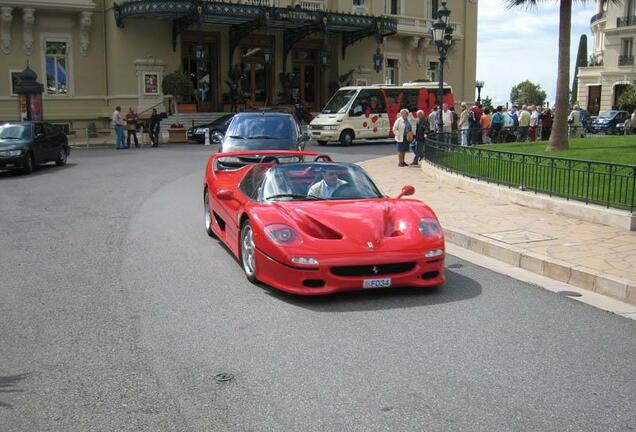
427	272
199	138
11	162
324	135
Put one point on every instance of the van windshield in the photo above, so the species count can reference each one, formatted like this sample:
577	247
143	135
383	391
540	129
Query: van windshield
339	101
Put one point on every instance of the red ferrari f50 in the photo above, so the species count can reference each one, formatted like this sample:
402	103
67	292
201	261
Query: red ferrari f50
304	224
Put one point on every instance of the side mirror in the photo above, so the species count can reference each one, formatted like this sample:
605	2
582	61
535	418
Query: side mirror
225	195
217	137
406	191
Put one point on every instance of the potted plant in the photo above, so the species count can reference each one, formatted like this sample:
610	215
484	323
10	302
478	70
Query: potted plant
177	85
177	133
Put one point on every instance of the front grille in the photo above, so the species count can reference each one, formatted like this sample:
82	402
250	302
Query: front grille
373	270
316	127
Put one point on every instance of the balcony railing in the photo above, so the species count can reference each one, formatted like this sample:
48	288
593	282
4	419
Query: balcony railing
626	60
413	25
626	21
314	5
270	3
599	16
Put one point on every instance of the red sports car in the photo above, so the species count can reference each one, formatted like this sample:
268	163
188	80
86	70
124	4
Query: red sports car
304	224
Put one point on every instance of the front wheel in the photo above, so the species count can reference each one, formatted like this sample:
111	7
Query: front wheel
207	214
248	252
62	156
346	138
28	165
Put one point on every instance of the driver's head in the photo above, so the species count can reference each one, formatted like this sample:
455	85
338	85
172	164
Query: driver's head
330	176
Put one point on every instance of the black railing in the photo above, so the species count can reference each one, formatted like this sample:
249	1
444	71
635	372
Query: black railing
597	17
607	184
626	21
625	60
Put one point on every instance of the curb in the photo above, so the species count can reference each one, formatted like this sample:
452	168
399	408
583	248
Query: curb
579	276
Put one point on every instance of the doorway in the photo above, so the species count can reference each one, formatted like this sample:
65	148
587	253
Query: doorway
256	72
593	99
306	70
200	57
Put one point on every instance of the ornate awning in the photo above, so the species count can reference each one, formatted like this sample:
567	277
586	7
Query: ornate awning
243	19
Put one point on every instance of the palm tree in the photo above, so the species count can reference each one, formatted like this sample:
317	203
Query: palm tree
559	135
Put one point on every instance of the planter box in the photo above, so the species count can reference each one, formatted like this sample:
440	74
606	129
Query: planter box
177	135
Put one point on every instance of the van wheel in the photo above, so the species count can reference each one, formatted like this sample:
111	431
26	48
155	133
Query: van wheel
322	143
346	138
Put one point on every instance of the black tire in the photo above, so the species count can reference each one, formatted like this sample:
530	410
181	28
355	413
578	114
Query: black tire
61	157
207	214
322	143
346	138
248	257
28	165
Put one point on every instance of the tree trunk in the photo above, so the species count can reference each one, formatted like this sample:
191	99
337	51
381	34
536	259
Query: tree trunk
559	135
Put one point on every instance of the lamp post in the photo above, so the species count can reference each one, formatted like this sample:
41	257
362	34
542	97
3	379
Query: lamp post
479	85
443	38
378	58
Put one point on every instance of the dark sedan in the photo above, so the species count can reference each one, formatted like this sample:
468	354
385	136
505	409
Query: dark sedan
608	122
217	130
25	145
263	131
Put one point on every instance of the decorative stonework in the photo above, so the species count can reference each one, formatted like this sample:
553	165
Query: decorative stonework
6	16
84	33
28	19
412	45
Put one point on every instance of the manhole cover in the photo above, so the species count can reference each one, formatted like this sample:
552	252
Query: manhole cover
222	377
569	293
517	236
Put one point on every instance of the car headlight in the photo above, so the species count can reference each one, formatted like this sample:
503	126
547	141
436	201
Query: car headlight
434	253
305	261
282	235
429	227
11	153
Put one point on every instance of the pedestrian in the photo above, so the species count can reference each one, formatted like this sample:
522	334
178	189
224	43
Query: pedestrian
463	125
514	116
485	120
433	120
118	124
508	132
574	121
421	130
155	127
546	127
534	123
131	127
524	124
447	119
474	123
496	125
403	132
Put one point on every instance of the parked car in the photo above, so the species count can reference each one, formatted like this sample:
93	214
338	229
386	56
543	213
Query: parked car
607	122
263	131
304	224
217	130
25	145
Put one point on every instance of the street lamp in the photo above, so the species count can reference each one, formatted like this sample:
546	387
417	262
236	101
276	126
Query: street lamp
378	58
443	38
479	85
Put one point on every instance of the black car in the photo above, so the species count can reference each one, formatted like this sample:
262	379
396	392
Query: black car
25	145
607	122
217	130
263	131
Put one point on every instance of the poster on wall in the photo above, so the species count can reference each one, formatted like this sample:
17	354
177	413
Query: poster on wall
151	84
23	107
36	106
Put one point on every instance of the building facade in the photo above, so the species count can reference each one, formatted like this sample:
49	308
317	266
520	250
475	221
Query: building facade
611	68
92	55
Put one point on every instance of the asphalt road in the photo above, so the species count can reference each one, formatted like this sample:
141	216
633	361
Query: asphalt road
117	312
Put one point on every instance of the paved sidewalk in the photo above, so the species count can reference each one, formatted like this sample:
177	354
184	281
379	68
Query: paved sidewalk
591	256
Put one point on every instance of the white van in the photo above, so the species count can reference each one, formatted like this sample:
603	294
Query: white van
368	112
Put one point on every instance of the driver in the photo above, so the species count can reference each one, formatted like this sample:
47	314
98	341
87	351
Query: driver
327	186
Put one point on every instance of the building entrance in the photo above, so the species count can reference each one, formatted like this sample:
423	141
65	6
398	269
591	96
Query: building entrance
307	75
200	57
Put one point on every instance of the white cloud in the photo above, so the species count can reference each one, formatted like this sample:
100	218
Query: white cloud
518	44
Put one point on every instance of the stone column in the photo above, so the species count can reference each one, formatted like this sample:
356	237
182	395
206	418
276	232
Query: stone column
6	16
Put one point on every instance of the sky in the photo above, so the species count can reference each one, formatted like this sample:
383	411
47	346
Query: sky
514	45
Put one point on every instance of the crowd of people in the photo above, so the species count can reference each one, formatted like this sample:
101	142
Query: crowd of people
130	123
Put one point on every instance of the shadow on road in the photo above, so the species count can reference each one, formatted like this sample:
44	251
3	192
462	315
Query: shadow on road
456	288
40	170
8	384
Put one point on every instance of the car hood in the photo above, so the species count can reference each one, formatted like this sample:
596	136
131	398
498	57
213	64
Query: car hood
354	226
327	119
13	144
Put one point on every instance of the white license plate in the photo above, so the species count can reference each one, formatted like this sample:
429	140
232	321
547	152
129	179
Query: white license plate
376	283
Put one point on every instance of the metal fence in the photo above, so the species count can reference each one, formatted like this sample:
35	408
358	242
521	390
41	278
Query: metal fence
607	184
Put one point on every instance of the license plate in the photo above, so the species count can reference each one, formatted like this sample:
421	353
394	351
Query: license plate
376	283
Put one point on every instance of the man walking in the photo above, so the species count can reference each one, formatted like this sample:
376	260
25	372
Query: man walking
421	130
154	128
118	124
524	124
131	126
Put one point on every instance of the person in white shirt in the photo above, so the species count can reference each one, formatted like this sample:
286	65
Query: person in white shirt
327	186
574	120
118	124
402	128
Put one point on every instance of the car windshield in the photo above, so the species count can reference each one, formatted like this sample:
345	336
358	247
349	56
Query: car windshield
262	127
14	131
338	103
607	114
316	181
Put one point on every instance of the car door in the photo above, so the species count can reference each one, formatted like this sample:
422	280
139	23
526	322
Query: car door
39	148
54	140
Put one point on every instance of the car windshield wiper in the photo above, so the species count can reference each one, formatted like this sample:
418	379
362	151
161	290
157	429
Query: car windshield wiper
236	137
264	137
295	196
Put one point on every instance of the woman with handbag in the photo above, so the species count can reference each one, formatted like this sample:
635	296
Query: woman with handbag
403	132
